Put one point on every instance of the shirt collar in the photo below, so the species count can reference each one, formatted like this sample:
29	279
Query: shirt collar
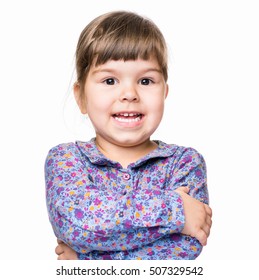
90	150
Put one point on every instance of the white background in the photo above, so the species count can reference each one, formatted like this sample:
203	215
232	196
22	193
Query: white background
212	106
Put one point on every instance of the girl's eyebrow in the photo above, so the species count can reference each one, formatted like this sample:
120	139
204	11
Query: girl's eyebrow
100	70
152	70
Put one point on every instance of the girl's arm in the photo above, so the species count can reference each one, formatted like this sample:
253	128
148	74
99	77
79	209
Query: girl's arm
190	171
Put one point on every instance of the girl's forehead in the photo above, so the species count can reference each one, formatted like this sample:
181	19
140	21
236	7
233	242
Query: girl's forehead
151	63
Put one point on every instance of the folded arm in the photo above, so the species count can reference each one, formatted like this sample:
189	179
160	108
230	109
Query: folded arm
190	171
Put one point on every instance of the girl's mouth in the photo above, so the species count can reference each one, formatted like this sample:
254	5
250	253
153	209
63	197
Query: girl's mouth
128	117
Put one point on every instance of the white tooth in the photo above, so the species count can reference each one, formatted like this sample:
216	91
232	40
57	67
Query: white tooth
127	120
131	114
126	115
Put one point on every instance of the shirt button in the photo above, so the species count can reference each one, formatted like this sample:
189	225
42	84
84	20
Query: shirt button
121	214
124	192
126	176
187	238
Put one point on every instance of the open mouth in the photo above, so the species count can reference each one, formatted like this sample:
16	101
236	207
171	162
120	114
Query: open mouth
128	117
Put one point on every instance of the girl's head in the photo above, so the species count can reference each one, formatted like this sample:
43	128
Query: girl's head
121	63
119	36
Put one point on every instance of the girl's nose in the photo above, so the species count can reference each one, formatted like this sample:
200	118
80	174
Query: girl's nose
129	94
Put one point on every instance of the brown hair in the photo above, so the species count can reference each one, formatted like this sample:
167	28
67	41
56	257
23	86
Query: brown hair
119	35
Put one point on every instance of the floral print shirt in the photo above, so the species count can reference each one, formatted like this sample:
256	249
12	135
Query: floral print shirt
104	211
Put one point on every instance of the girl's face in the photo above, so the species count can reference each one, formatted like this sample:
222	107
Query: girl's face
124	100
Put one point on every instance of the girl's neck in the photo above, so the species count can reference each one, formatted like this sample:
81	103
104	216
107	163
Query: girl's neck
125	155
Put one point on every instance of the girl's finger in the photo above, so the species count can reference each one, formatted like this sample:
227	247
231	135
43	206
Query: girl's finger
61	257
59	250
183	189
206	229
208	210
202	237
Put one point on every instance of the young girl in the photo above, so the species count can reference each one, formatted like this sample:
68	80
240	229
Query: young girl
122	195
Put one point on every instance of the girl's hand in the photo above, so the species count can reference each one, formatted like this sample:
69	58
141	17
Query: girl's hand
197	216
64	252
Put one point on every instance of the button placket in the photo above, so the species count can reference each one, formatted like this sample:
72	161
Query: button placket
126	178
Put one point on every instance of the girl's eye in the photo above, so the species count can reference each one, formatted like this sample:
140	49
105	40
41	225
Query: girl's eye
110	81
145	82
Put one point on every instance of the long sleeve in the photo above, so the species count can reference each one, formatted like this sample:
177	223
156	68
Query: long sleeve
169	247
88	218
190	170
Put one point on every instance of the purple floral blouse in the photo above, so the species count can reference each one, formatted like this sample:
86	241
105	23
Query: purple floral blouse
104	211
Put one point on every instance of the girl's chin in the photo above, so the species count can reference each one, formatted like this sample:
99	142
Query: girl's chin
126	140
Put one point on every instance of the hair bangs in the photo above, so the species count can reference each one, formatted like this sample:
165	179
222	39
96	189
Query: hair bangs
125	48
120	36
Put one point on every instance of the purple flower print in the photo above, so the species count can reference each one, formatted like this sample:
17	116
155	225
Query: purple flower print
151	253
49	184
59	190
76	233
107	257
185	160
79	214
175	237
69	164
198	173
139	207
183	255
99	213
128	224
97	201
157	192
60	223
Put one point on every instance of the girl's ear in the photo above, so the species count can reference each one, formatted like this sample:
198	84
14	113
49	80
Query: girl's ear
166	90
78	97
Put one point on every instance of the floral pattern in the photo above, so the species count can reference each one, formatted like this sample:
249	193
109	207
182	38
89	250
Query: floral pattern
104	211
